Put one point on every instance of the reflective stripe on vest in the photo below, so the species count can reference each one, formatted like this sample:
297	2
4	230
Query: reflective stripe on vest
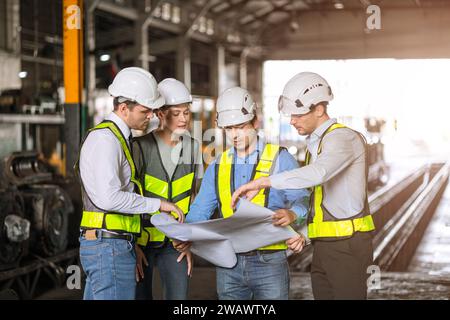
224	183
161	188
178	191
318	228
113	221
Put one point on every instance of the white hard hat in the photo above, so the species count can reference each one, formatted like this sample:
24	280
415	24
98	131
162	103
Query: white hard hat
302	92
174	92
137	84
234	106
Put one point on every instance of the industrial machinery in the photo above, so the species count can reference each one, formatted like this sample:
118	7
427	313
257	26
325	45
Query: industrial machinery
22	168
48	208
15	229
11	101
34	212
38	227
378	169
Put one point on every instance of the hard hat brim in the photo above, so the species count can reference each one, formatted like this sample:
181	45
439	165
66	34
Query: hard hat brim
175	102
288	107
232	118
153	105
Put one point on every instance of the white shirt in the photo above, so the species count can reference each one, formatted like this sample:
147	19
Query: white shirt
340	168
105	173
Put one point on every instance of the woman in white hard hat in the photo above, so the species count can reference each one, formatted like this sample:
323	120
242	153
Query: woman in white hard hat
339	221
169	162
113	201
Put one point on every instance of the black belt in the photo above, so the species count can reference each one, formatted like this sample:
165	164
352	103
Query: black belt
109	235
255	252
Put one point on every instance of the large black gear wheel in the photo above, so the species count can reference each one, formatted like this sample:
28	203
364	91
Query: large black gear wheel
48	207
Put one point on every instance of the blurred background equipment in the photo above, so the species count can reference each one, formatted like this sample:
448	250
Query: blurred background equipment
11	101
45	205
378	168
23	168
48	207
14	229
37	223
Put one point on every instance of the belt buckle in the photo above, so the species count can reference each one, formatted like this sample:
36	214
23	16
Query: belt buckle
127	237
112	235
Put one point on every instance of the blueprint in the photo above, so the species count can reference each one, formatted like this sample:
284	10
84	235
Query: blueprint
218	240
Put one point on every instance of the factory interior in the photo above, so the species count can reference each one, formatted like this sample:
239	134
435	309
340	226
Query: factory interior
387	62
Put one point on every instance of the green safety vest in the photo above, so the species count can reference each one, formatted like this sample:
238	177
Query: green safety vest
157	183
96	218
323	225
225	183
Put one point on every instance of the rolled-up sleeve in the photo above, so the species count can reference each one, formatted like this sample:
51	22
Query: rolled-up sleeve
100	170
339	149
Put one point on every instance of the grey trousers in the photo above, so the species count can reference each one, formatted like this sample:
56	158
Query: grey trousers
339	268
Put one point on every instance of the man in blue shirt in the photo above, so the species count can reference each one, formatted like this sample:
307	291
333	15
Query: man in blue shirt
261	273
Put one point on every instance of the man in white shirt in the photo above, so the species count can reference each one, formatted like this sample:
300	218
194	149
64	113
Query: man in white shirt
339	221
111	191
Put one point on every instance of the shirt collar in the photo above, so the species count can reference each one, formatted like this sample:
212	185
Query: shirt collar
259	147
120	123
322	128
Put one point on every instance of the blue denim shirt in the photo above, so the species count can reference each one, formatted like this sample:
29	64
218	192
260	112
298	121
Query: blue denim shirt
206	201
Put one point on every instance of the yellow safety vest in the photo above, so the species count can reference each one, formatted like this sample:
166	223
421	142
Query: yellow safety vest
321	224
225	185
96	218
157	184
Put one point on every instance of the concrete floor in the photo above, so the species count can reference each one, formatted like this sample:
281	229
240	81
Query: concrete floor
433	254
202	287
393	286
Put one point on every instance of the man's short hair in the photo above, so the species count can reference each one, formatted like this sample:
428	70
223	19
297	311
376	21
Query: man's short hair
323	103
119	100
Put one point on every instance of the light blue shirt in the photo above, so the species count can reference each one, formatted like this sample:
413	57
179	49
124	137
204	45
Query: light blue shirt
206	201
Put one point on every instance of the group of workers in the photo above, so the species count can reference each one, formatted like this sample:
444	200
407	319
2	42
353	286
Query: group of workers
126	180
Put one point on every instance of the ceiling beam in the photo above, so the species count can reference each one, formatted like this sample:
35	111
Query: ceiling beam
237	6
204	10
127	13
262	17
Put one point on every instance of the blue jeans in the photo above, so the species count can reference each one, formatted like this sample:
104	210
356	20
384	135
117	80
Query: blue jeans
173	274
259	277
109	265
